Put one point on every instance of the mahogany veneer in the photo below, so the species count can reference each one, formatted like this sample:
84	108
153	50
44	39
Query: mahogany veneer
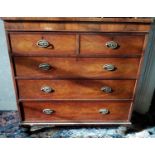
95	44
76	70
27	43
76	67
76	89
76	111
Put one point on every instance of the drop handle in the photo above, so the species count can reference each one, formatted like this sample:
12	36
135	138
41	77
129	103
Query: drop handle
109	67
48	111
111	44
47	89
104	111
42	43
106	89
45	66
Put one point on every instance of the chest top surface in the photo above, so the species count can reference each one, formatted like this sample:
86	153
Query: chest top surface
97	24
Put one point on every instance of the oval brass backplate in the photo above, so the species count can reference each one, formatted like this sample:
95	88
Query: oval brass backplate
104	111
47	89
45	66
111	44
109	67
43	43
106	89
48	111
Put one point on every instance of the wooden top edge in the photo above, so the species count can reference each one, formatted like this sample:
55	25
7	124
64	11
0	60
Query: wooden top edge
82	19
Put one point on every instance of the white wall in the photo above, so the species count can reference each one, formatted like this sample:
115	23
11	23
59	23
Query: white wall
7	95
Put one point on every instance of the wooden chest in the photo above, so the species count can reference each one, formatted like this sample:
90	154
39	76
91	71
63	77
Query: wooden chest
76	70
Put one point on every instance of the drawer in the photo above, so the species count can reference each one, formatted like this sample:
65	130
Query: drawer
112	44
76	89
42	43
76	67
75	112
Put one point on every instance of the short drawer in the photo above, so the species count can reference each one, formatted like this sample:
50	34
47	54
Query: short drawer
113	44
76	89
42	43
76	67
75	112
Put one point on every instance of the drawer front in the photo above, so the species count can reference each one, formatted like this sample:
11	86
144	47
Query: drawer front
76	112
43	43
76	67
76	89
111	44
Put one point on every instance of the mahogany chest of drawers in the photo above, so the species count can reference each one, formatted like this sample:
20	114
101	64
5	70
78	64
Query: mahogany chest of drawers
76	70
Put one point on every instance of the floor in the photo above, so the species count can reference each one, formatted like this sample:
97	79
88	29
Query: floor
143	127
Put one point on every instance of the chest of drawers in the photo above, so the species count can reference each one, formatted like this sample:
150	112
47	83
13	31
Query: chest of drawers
76	70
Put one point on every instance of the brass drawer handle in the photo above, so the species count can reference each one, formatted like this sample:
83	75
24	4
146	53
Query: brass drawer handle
104	111
45	66
109	67
48	111
106	89
111	44
47	89
42	43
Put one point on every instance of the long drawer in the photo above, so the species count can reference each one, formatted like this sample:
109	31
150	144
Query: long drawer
76	67
75	112
76	89
42	43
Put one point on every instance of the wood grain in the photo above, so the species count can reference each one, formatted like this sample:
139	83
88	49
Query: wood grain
81	19
76	26
79	53
96	44
86	111
76	89
27	67
27	43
